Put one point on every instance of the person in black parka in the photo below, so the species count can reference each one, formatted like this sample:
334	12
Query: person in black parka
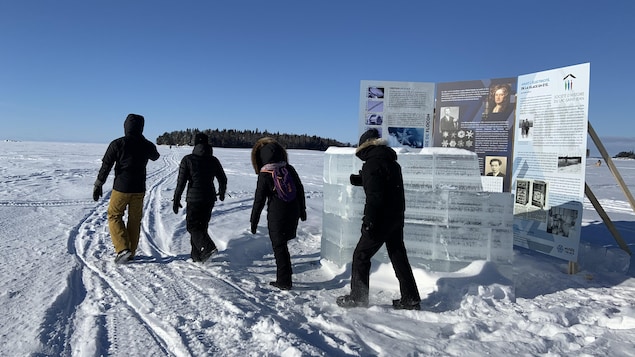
282	217
129	155
382	223
198	171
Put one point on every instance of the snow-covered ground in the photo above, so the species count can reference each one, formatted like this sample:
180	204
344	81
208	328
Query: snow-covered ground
62	295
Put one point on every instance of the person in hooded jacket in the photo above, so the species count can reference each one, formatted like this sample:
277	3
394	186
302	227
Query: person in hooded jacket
382	223
198	171
282	217
129	155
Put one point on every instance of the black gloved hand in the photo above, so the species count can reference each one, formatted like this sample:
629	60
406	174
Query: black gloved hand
175	206
97	190
221	195
303	215
356	180
254	227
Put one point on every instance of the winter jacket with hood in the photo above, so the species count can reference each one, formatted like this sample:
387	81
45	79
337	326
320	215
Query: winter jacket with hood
383	185
282	217
129	154
198	170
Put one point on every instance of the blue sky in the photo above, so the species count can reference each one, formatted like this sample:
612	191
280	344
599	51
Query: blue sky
72	70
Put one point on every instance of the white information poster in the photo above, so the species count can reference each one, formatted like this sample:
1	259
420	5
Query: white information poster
401	111
549	160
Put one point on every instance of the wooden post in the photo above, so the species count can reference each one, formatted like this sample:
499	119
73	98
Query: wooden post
606	219
573	268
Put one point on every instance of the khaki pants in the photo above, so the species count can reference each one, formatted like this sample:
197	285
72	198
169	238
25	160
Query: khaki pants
125	236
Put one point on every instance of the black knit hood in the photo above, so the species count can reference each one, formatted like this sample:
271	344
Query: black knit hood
133	126
202	150
202	146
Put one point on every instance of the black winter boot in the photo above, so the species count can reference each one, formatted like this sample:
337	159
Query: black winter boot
349	301
400	304
280	286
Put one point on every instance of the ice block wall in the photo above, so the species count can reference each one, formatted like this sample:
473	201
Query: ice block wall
449	220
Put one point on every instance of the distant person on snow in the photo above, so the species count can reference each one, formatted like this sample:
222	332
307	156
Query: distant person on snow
129	154
280	187
383	222
198	171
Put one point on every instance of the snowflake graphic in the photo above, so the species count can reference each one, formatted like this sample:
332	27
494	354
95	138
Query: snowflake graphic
470	134
452	143
469	143
444	143
461	134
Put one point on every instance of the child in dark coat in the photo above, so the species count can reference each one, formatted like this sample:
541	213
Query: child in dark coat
198	171
268	155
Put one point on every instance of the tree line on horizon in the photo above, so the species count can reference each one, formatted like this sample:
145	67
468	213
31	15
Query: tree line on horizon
626	154
230	138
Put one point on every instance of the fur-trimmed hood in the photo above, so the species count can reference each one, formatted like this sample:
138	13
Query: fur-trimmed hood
372	142
375	148
267	150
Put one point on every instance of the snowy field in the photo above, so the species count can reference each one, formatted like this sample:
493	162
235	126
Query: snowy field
62	295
